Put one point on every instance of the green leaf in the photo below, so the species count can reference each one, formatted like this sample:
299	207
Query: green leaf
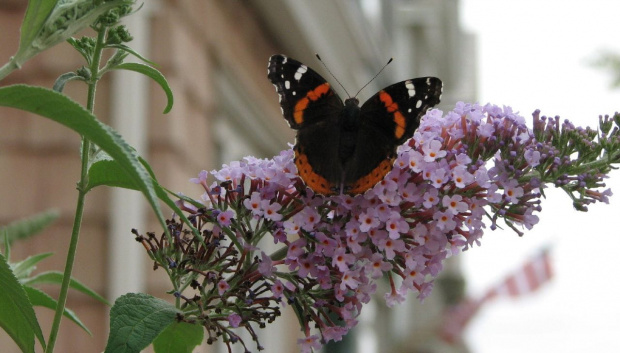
25	267
4	236
65	111
17	317
179	337
109	173
55	277
40	298
30	226
36	14
61	81
135	320
130	50
49	22
153	74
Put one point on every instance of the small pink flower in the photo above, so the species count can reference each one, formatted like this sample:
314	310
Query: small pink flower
454	204
393	297
416	161
461	176
265	266
223	218
396	226
444	220
433	151
222	287
438	177
308	343
349	280
270	210
234	320
390	246
368	220
296	249
512	191
277	289
254	204
431	198
342	260
202	178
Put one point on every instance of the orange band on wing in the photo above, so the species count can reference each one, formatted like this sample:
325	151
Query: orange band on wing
302	104
371	179
317	183
397	116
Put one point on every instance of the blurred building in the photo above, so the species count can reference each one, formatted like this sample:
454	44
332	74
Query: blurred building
214	55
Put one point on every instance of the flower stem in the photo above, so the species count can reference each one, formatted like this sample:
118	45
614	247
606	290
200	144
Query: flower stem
82	190
7	68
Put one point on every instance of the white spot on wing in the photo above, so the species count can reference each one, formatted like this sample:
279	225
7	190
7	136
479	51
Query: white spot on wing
300	72
287	84
410	88
418	104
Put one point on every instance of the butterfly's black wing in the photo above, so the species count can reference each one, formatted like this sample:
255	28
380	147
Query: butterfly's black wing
388	119
312	108
305	96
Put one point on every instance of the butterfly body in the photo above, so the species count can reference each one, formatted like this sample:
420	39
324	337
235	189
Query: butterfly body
342	147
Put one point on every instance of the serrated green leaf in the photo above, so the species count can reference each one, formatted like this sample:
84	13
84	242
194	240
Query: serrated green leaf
40	298
153	74
17	317
30	226
54	277
65	111
25	267
179	337
135	320
109	173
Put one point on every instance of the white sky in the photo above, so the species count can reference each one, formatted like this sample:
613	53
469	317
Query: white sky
534	55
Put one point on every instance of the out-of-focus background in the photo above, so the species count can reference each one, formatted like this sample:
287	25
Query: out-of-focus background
526	54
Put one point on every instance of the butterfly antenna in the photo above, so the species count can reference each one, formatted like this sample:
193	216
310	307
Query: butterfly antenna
375	76
330	72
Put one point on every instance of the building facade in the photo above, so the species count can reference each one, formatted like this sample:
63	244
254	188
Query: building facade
214	55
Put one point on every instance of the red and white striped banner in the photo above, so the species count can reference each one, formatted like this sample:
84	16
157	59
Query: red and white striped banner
527	279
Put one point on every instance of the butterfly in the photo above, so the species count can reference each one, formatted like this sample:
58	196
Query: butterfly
342	148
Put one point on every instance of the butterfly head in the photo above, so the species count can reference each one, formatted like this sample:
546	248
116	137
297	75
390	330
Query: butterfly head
351	102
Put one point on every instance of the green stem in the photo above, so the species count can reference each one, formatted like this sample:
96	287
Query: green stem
79	209
7	68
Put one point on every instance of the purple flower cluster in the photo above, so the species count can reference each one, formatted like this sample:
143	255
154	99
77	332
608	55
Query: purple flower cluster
474	161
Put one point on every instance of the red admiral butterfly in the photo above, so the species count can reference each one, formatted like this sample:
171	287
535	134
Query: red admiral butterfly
342	148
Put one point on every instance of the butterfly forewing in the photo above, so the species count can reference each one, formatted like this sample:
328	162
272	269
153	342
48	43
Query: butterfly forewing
305	96
397	109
